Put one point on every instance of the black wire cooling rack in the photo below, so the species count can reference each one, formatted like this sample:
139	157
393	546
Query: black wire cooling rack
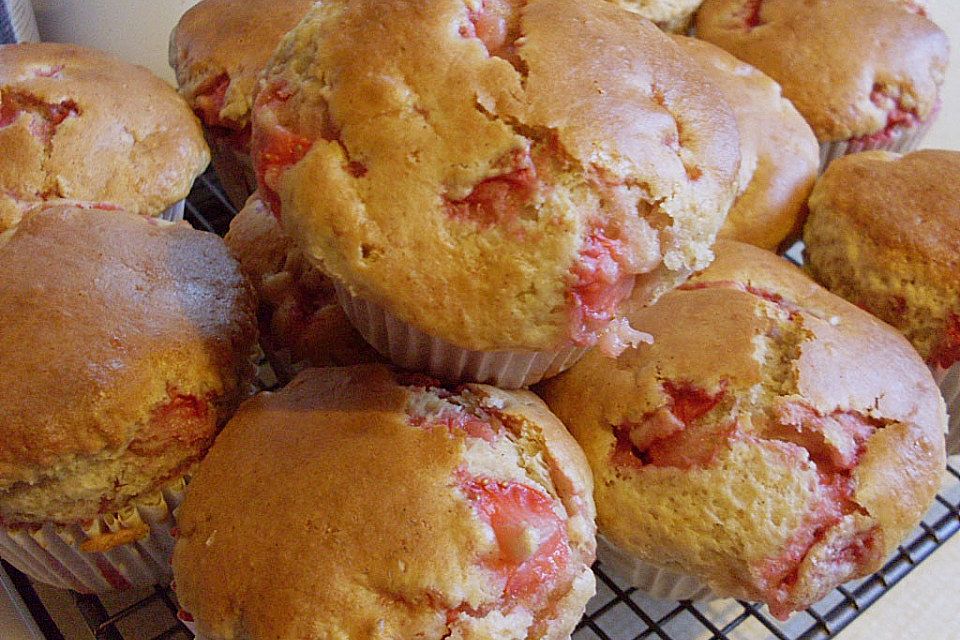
615	613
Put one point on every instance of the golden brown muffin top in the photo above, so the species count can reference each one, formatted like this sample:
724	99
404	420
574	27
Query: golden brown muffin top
126	342
300	319
355	503
779	155
851	67
219	48
775	443
494	186
81	124
884	233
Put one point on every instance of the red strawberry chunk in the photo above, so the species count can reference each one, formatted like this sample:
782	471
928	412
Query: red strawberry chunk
533	549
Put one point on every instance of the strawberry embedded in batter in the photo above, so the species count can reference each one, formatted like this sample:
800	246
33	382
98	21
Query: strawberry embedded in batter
497	25
947	353
673	435
185	418
750	14
533	548
457	421
601	281
499	200
44	117
846	556
899	117
834	441
275	147
209	102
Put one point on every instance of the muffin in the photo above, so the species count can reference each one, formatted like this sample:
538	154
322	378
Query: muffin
673	16
217	50
485	201
884	233
125	347
866	74
779	156
81	124
300	321
773	445
478	524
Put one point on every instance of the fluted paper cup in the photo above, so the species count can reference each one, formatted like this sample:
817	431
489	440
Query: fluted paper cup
408	347
652	580
116	551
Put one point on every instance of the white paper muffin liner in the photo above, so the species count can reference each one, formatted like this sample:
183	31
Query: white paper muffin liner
408	347
52	553
949	382
651	580
901	141
174	213
234	169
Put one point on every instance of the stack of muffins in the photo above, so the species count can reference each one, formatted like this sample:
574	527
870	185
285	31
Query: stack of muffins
480	242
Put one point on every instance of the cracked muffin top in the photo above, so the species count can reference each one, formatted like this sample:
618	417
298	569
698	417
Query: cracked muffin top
884	233
779	155
494	185
81	124
126	344
356	503
218	49
775	444
853	68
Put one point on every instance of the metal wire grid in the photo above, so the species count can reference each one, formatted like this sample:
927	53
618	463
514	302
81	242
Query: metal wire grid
617	612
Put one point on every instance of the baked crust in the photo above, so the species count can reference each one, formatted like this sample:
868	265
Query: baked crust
464	187
776	443
839	61
343	494
884	233
126	345
300	319
779	154
81	124
232	40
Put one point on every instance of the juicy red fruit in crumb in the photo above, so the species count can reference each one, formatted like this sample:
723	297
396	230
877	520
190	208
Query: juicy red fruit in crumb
600	284
533	549
898	116
672	436
497	25
274	147
45	117
499	200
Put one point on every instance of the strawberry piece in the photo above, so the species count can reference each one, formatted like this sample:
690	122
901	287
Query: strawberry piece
499	200
274	147
209	103
45	117
533	549
600	285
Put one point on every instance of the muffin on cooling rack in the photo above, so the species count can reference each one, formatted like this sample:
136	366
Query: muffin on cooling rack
217	50
126	344
866	74
357	503
674	16
485	201
773	445
80	124
884	233
301	322
779	155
